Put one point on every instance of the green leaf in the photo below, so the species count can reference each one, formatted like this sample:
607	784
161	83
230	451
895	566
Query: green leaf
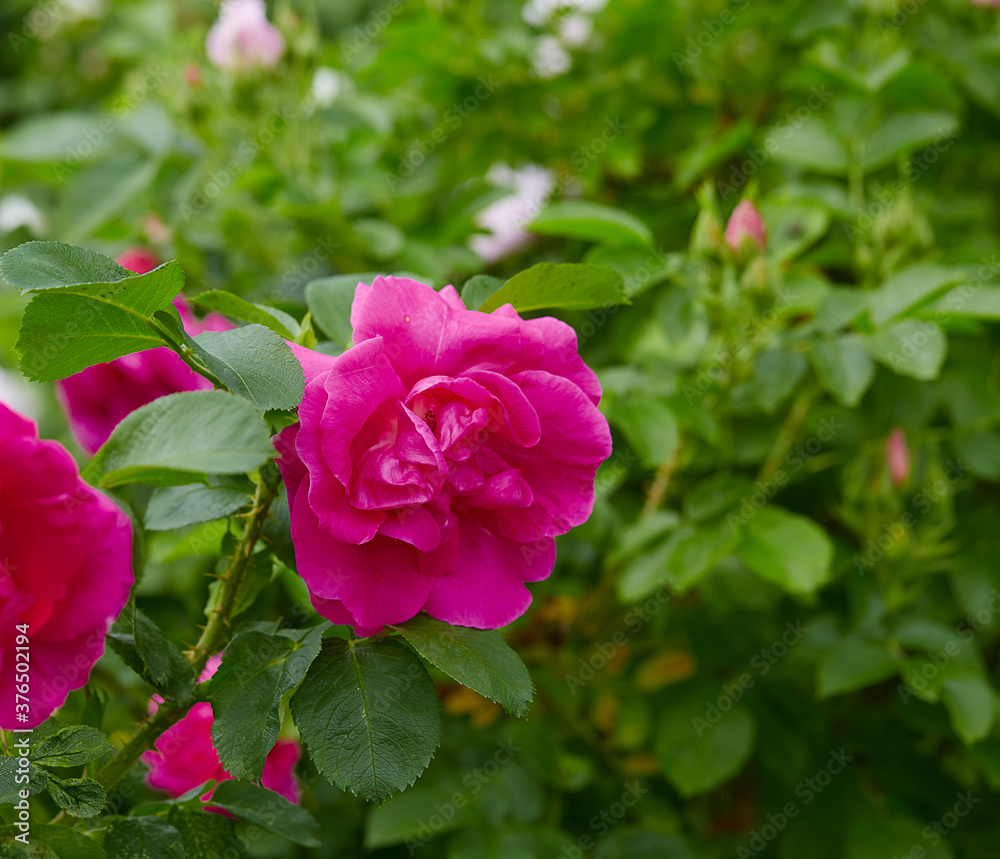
404	818
35	266
142	646
99	192
793	228
854	663
982	302
329	300
89	310
181	437
208	835
81	797
57	842
981	451
649	425
477	658
874	837
911	347
700	748
257	314
905	133
909	287
53	136
255	363
256	673
789	550
10	788
579	219
176	506
148	837
843	367
810	145
971	703
476	290
776	375
564	285
369	714
268	810
70	746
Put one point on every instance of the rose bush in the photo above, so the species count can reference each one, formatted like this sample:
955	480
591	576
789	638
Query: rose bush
65	569
434	462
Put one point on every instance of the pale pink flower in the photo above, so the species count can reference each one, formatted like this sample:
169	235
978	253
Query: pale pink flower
243	38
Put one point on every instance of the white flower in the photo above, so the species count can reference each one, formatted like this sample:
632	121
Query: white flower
243	37
540	12
16	211
506	218
550	58
328	85
574	30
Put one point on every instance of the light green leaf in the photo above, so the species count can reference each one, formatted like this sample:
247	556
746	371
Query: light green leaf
810	145
176	506
369	714
904	133
843	367
256	673
971	703
476	290
45	137
257	314
909	287
330	299
776	375
789	550
564	285
179	438
477	658
911	347
579	219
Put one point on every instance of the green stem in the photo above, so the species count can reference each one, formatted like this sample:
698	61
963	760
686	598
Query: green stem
213	637
787	434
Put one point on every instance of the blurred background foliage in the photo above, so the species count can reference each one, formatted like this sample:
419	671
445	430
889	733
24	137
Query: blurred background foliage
779	631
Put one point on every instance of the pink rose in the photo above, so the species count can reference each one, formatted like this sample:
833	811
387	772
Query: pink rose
65	571
98	398
243	37
897	456
185	757
436	459
746	228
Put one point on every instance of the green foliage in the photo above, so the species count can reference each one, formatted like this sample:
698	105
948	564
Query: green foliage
267	809
369	715
574	287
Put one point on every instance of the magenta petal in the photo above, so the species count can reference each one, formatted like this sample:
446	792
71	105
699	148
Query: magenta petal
334	611
561	468
378	582
487	590
413	525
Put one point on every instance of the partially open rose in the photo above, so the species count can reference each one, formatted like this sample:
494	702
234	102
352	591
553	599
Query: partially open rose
65	572
436	459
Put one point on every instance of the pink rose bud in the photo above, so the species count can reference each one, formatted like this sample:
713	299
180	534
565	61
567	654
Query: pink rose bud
897	456
65	571
192	74
97	399
243	38
436	459
746	228
138	260
185	757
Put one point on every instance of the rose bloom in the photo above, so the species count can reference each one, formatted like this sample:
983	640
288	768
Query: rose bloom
505	219
243	38
185	757
65	571
436	459
746	229
97	399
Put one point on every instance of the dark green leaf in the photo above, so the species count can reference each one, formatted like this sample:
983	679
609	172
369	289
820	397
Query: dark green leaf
49	841
477	658
854	663
70	746
267	809
257	314
787	549
256	673
10	787
206	835
176	506
843	367
369	714
147	837
81	797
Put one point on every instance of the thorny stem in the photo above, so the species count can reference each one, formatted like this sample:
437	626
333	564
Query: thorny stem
213	637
